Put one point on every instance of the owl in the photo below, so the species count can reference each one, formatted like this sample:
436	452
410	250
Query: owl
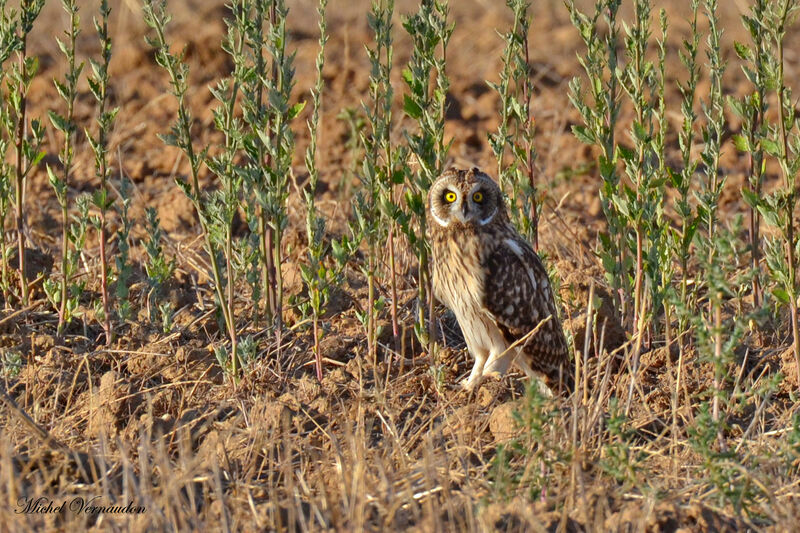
493	281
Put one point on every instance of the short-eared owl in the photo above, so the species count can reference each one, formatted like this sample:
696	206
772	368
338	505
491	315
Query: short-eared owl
493	281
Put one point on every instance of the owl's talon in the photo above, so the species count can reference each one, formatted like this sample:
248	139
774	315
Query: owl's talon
471	384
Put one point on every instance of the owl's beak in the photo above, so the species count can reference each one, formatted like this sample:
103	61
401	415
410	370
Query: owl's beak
461	214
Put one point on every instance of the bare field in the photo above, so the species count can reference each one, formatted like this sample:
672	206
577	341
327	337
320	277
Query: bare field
392	443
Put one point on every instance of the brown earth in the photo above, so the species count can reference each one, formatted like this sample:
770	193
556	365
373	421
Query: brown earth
376	447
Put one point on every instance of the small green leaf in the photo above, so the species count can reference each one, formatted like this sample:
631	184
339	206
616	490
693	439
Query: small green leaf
583	134
771	147
95	88
170	139
60	123
690	232
54	180
296	109
639	132
626	153
741	142
61	89
184	186
742	50
750	198
770	215
411	108
738	106
781	295
36	159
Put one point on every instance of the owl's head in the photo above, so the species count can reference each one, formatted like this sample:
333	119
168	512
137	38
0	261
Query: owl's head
465	197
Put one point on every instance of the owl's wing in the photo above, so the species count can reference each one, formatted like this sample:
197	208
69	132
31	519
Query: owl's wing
517	297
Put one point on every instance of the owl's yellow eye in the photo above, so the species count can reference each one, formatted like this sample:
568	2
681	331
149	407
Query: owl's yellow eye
477	197
450	197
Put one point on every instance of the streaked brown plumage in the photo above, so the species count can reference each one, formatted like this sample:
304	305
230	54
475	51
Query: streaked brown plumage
493	281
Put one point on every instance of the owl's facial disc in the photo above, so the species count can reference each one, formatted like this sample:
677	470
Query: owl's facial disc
488	218
480	202
466	198
445	206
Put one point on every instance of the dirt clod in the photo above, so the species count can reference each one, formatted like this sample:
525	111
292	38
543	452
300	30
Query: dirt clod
106	402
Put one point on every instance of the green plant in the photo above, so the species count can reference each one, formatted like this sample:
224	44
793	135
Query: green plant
424	102
122	261
618	458
390	159
157	267
98	85
752	109
599	109
783	143
27	154
353	118
8	43
723	468
374	210
272	186
223	203
167	312
12	363
254	118
713	129
659	264
315	274
641	203
515	133
634	253
681	299
716	336
157	18
68	90
682	180
534	453
248	350
77	242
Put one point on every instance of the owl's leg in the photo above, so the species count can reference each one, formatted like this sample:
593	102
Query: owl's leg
537	377
498	363
477	370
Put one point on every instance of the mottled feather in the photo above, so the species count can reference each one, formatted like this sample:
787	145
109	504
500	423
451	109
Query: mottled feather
518	308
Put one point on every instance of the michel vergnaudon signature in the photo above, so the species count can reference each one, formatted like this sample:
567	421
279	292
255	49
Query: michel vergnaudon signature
76	505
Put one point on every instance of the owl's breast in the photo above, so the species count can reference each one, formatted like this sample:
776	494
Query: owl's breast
458	279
